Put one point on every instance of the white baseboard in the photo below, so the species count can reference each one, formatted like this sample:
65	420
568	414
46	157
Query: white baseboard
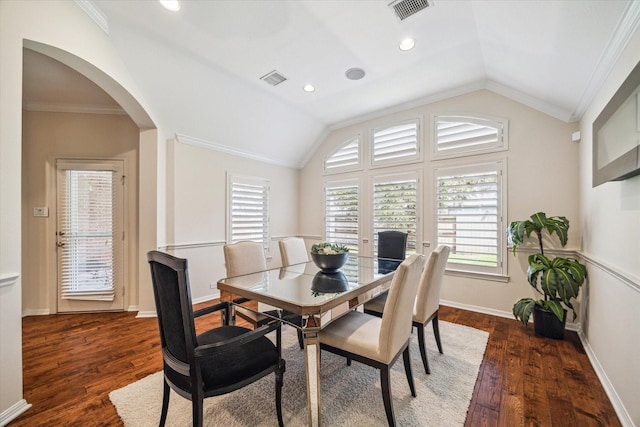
13	412
36	312
618	406
133	308
206	298
144	314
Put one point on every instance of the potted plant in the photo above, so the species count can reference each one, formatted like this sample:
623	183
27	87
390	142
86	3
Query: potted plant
558	280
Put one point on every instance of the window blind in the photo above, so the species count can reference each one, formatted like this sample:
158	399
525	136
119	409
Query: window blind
460	135
346	157
469	217
342	215
249	210
396	143
394	208
86	234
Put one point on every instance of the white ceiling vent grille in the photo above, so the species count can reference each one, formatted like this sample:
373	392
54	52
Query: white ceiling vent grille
274	78
407	8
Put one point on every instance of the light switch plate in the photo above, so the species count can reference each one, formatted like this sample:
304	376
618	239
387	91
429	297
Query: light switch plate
40	211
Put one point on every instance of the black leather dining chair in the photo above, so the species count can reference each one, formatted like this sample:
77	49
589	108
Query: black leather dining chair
392	250
215	362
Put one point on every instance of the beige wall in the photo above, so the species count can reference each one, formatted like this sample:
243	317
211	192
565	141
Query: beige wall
542	175
611	245
47	136
197	194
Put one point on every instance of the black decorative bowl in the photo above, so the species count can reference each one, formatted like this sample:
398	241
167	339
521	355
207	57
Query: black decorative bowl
329	263
329	283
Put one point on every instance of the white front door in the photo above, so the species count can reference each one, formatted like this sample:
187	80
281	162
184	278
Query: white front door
90	235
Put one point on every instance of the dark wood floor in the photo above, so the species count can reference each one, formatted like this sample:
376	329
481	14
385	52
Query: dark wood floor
72	362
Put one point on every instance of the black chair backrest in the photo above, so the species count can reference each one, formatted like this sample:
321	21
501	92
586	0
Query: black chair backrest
392	244
173	305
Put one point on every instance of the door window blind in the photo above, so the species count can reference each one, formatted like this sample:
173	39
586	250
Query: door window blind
342	214
394	208
248	209
86	234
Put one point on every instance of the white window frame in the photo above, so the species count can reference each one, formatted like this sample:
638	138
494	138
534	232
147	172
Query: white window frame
339	169
391	178
232	180
500	124
403	160
499	166
355	182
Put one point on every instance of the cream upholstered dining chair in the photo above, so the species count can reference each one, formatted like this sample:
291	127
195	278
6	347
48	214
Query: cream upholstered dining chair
242	258
427	300
293	251
378	342
247	257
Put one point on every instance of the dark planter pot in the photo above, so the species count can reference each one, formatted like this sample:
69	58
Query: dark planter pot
546	324
329	283
329	263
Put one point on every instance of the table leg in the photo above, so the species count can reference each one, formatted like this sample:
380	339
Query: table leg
312	364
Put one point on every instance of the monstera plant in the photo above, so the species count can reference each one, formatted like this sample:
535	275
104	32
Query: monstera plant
557	280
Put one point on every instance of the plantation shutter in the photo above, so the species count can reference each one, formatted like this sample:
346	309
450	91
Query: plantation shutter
469	216
460	135
396	144
249	209
394	208
86	213
345	158
342	214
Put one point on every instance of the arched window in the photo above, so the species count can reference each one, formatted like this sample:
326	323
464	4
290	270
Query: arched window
346	158
458	135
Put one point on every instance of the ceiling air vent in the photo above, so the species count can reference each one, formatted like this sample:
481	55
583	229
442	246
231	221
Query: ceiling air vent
274	78
407	8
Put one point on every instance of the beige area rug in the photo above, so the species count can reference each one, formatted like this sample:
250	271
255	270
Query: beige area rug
350	396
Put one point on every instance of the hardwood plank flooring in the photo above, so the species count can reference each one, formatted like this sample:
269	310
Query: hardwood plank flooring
72	361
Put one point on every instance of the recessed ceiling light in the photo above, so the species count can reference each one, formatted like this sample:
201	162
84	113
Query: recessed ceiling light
171	5
354	73
407	44
308	88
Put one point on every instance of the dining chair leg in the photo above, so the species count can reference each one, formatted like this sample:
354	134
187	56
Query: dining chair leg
300	340
279	382
407	370
423	349
196	407
436	332
165	403
385	384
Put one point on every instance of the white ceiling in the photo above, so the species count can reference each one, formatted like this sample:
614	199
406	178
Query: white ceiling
199	68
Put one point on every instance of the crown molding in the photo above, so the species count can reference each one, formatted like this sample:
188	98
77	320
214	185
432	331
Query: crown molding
94	13
203	143
72	108
623	33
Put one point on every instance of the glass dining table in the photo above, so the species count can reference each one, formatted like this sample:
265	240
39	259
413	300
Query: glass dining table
319	298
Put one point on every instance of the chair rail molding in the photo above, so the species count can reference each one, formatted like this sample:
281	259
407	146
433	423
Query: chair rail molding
8	279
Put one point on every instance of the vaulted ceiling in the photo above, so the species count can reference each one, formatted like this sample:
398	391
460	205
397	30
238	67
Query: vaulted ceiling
200	68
